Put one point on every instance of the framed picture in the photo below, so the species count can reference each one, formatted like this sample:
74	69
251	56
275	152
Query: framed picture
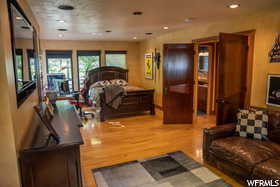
149	69
49	107
41	112
273	90
274	53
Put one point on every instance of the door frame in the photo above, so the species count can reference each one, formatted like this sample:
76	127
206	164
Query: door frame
212	66
210	78
214	40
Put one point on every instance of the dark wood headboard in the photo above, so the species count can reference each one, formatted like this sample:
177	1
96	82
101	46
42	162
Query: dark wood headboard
106	73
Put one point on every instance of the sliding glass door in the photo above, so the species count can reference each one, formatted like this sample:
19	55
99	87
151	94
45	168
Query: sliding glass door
87	60
59	68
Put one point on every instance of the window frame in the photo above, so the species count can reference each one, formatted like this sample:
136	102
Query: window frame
30	54
19	52
86	53
61	55
110	52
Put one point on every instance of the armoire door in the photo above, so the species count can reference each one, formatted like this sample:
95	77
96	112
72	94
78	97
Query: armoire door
231	76
178	82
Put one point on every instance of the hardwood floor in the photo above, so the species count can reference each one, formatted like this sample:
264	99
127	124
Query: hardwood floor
138	137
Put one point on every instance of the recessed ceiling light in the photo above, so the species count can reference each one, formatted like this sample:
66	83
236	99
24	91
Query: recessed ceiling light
108	31
165	28
148	33
134	37
137	13
18	18
65	7
189	19
234	6
62	29
60	35
61	21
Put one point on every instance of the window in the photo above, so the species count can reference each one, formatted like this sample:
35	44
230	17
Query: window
19	67
116	58
59	68
31	64
87	60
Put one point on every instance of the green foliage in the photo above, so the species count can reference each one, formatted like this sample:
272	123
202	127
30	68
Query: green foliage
19	67
32	69
86	63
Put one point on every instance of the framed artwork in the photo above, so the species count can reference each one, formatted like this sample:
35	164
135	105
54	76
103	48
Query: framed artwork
49	107
149	69
273	90
42	113
274	54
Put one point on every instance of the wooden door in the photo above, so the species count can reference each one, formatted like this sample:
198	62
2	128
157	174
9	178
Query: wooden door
231	76
178	82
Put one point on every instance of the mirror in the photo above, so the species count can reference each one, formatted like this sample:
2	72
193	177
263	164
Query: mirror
203	58
25	62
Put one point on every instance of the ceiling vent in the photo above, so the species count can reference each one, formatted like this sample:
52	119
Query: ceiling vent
62	29
137	13
65	7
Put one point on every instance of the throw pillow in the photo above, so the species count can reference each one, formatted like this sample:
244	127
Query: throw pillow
252	124
101	83
120	82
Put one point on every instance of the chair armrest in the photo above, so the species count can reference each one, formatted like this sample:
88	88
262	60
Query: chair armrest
214	133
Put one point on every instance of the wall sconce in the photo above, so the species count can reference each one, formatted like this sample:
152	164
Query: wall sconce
157	59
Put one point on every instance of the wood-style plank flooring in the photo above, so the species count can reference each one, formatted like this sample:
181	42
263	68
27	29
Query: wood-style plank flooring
140	137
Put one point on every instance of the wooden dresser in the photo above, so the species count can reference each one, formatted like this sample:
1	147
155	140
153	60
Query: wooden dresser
45	163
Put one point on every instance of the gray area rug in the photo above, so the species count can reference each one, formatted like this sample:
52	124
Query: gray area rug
168	170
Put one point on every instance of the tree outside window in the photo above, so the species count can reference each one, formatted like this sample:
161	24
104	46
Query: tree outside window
61	65
19	70
86	63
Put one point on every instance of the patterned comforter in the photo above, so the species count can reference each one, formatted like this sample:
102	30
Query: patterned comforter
94	93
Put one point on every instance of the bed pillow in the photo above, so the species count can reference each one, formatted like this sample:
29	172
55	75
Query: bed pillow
101	83
252	123
120	82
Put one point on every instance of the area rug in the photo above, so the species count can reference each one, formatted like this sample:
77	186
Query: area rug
168	170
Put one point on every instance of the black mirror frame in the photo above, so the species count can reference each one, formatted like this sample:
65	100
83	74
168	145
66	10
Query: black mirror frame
29	88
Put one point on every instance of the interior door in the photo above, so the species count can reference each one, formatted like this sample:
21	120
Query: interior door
178	82
231	76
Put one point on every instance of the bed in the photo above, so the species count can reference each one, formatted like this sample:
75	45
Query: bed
136	101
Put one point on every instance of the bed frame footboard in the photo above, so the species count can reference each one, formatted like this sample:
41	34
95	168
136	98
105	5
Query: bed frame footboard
135	102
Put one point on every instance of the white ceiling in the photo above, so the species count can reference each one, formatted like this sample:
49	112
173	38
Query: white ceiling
97	16
18	25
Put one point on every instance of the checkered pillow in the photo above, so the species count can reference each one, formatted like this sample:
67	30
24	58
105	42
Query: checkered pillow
252	123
